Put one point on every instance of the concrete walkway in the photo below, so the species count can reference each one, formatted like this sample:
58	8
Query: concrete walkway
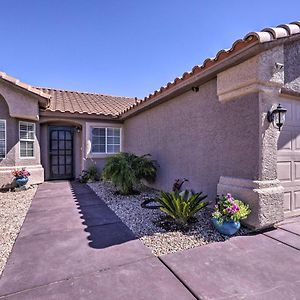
72	246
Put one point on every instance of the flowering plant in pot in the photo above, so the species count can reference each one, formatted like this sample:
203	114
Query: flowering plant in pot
228	213
21	176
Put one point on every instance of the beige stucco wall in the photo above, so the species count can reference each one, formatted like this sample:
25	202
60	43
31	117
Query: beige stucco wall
269	72
197	137
20	103
257	74
220	138
292	66
11	134
13	159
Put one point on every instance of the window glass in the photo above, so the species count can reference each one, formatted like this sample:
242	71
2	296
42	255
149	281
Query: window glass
105	140
27	135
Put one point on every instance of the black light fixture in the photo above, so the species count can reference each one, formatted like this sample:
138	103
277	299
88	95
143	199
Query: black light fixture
78	129
277	116
195	89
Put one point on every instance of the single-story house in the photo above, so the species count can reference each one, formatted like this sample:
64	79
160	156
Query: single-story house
212	125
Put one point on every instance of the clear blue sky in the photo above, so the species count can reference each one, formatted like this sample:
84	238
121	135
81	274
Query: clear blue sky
123	47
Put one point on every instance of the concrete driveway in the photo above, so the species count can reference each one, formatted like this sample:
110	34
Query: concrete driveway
72	246
263	266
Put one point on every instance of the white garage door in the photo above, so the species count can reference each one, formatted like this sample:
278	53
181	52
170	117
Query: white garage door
288	159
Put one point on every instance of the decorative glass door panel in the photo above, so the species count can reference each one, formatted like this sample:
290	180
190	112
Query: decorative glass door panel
61	152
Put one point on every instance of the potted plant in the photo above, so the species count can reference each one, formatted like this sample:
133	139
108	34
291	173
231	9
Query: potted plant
228	213
21	176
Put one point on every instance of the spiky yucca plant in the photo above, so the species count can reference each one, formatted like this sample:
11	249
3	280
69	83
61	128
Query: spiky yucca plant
181	206
126	170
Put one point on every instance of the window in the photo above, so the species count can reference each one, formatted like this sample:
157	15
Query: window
27	135
106	140
2	138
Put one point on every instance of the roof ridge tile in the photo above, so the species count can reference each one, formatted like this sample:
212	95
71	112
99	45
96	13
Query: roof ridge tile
266	35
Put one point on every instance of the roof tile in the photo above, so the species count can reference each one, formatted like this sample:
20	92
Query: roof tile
23	85
86	103
266	35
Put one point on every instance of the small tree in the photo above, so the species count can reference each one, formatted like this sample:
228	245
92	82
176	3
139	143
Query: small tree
126	170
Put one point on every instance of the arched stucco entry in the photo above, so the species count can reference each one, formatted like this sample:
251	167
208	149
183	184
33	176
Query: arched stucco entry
12	159
46	124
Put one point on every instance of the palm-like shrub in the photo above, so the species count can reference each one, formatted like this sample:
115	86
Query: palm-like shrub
126	170
181	206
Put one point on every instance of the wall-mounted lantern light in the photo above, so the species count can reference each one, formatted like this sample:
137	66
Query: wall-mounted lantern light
277	116
195	89
78	129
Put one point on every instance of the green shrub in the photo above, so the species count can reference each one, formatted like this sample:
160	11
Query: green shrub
126	170
90	175
181	206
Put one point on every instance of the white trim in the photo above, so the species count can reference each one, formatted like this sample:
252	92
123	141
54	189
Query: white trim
5	139
106	139
27	140
105	143
89	128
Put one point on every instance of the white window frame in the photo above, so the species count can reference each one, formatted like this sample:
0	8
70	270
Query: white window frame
26	140
5	139
90	127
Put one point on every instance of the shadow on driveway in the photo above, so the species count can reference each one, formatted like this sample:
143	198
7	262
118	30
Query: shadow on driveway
103	225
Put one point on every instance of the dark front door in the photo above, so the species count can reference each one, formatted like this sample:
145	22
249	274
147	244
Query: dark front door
61	152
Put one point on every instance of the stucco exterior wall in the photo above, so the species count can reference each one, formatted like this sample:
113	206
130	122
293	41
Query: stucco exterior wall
267	75
292	66
11	134
20	104
197	137
259	73
13	159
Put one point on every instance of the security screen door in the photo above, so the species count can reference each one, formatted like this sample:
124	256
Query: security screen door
61	152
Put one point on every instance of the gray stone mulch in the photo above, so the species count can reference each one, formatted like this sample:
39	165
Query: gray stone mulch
13	209
151	226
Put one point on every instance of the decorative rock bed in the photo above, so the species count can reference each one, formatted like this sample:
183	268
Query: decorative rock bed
13	209
151	226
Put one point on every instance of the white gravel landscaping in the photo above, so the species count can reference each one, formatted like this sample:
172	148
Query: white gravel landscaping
13	209
144	222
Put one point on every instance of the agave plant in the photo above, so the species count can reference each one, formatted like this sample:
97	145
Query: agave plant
181	206
126	170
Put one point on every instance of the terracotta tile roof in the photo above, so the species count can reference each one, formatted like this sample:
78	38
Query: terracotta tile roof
24	86
86	103
266	35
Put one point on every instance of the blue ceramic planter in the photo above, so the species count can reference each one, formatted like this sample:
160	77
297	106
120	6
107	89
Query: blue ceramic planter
227	228
21	181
